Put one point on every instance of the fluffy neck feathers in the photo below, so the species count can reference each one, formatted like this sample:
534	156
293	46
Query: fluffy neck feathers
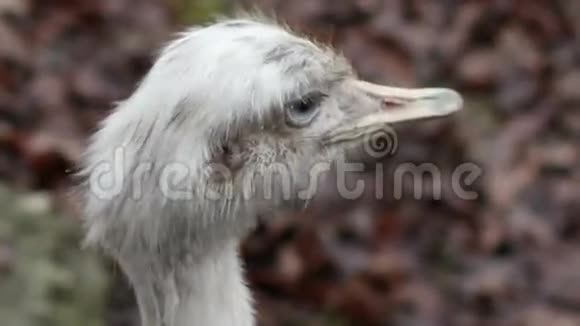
207	290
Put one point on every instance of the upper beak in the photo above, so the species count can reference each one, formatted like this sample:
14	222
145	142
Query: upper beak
392	104
402	104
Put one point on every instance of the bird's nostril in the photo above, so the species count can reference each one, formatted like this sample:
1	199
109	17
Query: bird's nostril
392	103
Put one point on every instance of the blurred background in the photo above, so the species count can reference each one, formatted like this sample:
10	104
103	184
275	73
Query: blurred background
510	257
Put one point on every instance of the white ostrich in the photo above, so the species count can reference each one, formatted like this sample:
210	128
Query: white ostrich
166	172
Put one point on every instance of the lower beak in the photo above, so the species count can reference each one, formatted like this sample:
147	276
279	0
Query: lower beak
393	105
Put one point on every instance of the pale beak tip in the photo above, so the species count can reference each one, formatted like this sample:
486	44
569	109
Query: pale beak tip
448	101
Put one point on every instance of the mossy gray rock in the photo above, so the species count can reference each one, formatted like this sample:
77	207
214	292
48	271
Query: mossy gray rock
45	277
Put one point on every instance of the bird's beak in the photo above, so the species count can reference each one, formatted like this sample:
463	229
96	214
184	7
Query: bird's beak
402	104
392	105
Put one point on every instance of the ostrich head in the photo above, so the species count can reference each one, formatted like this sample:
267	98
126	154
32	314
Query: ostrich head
223	106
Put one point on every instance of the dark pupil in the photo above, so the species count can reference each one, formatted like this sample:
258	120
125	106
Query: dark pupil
305	105
308	103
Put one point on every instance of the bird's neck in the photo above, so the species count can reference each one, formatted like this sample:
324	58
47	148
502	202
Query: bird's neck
205	290
211	291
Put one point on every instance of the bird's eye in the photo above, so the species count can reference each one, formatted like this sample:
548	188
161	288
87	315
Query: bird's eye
302	112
